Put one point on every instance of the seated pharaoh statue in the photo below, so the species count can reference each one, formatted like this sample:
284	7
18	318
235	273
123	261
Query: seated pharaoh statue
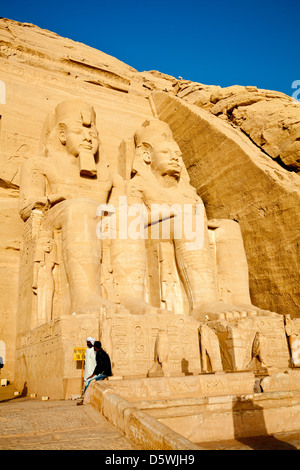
67	184
160	185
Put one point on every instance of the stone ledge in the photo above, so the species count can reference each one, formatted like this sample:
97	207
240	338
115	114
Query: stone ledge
204	385
143	430
178	423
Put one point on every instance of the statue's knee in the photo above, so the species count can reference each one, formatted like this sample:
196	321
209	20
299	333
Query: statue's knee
229	228
82	207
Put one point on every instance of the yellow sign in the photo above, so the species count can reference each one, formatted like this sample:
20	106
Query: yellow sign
79	354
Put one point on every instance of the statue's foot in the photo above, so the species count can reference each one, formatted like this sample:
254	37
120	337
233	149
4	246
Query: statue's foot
149	309
95	303
138	307
156	370
222	311
261	312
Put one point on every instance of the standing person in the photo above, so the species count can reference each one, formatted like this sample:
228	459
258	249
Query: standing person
90	358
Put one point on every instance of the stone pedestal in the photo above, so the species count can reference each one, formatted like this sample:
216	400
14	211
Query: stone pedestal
44	356
130	341
45	361
253	343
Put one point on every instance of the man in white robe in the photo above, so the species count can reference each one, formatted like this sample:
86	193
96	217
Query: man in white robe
90	358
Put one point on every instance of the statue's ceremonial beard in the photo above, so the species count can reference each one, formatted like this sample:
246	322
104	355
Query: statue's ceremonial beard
87	163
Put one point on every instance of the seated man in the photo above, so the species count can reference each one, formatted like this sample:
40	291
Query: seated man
102	369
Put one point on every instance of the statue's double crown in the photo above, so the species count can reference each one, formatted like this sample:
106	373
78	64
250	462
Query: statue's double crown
75	110
152	131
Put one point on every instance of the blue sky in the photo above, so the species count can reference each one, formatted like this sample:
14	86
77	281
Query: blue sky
212	42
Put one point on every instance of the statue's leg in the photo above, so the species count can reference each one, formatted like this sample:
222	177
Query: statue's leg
231	260
196	270
81	251
232	265
45	294
129	267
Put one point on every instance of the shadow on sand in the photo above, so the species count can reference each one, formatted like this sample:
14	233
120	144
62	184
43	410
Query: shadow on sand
246	414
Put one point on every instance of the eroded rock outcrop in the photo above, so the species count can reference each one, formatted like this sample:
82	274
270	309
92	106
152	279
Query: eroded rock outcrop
269	118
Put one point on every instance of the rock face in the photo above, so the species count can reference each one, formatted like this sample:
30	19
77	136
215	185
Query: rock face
269	118
240	146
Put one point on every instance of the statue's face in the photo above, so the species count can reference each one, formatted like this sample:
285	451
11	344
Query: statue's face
80	138
166	159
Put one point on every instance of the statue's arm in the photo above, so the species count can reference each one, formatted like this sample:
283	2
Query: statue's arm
55	198
118	188
32	188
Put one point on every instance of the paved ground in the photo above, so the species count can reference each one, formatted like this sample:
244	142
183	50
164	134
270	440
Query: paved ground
33	424
282	441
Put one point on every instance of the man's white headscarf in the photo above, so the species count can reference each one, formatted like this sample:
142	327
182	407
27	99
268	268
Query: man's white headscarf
91	340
